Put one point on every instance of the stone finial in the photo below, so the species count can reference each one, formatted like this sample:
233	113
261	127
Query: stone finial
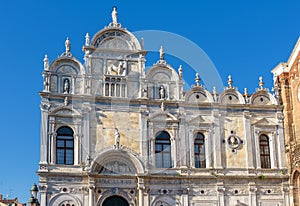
245	91
180	72
142	43
114	15
215	93
261	83
46	63
246	95
161	53
197	79
87	39
68	45
229	81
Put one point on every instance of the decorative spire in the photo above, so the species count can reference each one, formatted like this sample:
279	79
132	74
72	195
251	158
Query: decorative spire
246	95
215	93
161	53
46	63
142	43
261	83
197	79
245	91
180	72
229	81
114	15
87	39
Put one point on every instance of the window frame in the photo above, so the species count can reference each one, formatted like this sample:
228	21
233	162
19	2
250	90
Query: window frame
199	141
163	139
67	140
264	152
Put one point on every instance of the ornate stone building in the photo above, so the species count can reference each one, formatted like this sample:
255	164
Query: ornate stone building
287	82
115	134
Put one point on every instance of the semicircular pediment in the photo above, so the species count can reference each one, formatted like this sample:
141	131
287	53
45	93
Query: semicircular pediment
117	167
117	161
197	95
262	97
119	39
231	96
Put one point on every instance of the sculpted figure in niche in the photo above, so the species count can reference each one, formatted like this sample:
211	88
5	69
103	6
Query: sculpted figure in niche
162	92
66	89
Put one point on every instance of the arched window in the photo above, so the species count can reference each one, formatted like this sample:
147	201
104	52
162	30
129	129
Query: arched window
264	151
163	150
65	146
199	151
115	200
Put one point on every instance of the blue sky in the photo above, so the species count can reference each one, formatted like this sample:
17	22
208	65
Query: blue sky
243	38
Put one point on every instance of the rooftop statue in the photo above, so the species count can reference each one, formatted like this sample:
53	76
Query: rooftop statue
114	15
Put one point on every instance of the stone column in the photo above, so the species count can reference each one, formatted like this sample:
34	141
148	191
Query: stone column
143	132
52	148
286	191
86	109
72	90
152	151
256	149
92	193
248	140
221	194
185	198
173	150
190	146
273	153
280	142
182	143
252	194
217	140
44	133
141	188
43	194
208	148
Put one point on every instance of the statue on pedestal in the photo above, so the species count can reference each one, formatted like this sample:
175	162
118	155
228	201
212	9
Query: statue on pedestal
68	45
117	139
114	15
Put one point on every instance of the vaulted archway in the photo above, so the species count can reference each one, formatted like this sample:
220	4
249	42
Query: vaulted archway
115	201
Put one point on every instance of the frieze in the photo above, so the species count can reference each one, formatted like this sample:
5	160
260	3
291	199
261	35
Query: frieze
237	191
204	192
116	167
113	182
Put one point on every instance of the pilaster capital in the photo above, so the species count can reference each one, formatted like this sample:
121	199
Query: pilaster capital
45	106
